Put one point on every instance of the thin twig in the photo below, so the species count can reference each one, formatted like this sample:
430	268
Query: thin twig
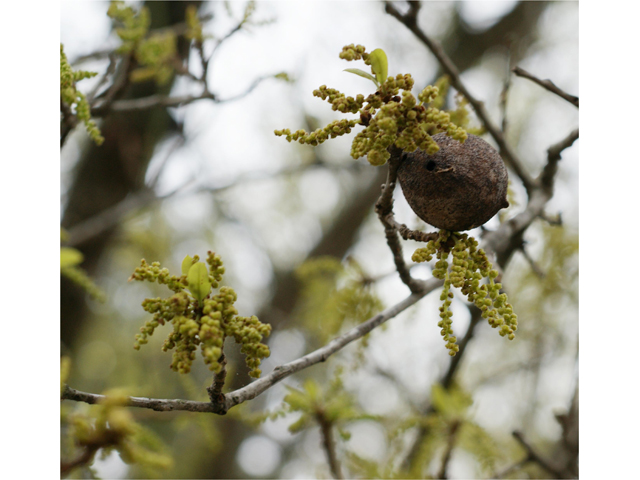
532	263
505	93
150	102
555	220
85	458
554	153
410	21
176	144
451	441
407	234
533	456
326	430
121	80
215	390
254	389
157	404
549	85
454	363
384	209
153	101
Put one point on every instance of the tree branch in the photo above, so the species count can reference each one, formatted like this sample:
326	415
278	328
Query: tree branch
320	355
149	102
249	392
554	154
215	390
384	209
533	456
326	430
85	458
153	101
451	441
549	85
410	21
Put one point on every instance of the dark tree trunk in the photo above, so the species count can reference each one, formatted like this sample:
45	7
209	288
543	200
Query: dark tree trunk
105	175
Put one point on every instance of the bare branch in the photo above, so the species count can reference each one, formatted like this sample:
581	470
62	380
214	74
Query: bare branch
150	102
407	234
505	93
549	85
554	154
215	390
533	456
256	388
159	405
555	220
326	430
451	441
153	101
384	209
253	85
410	21
84	459
111	69
532	263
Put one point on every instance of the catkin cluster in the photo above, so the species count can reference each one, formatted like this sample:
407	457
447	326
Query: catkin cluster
75	99
388	116
200	317
469	266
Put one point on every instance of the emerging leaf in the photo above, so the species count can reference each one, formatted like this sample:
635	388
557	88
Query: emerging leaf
186	264
198	279
379	64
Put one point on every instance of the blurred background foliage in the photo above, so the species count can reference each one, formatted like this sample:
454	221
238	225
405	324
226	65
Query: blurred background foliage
302	246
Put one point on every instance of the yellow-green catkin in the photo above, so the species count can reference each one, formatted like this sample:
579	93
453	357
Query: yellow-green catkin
390	116
74	99
469	266
200	323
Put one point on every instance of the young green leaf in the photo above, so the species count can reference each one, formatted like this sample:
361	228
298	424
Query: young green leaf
364	74
70	257
186	264
379	65
198	279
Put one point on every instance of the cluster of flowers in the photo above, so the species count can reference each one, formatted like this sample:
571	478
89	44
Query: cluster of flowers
200	318
76	99
388	117
469	266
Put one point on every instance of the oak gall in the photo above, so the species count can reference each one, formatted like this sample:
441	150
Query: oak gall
458	188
